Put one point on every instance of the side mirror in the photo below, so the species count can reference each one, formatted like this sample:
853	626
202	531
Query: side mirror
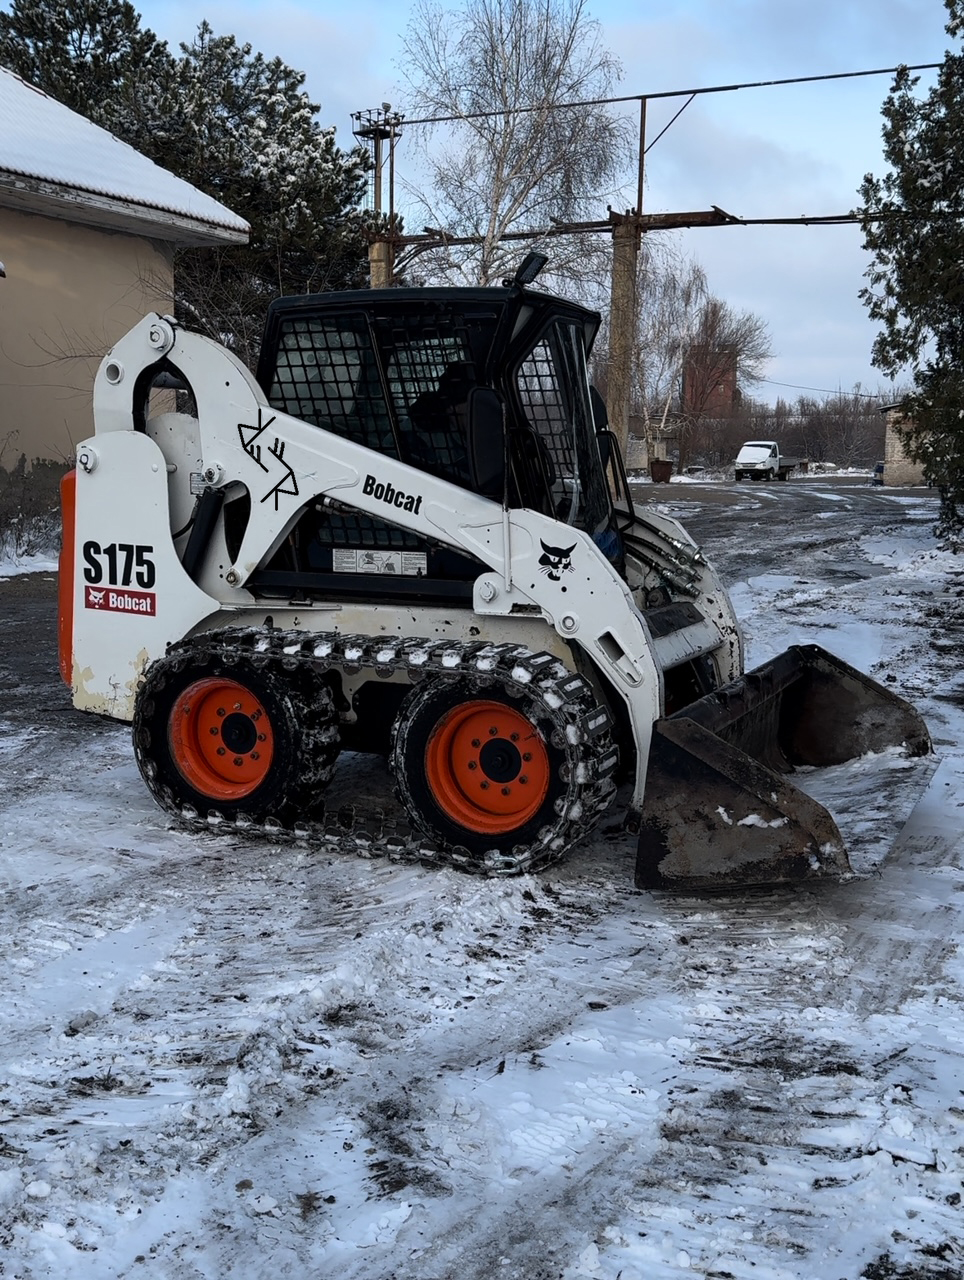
600	414
486	442
600	417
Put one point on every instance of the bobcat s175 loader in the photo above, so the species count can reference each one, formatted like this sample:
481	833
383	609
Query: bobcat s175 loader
401	537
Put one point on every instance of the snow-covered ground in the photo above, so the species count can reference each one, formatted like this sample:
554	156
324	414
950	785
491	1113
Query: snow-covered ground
246	1060
12	566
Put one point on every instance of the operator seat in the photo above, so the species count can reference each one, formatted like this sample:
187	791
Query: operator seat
438	441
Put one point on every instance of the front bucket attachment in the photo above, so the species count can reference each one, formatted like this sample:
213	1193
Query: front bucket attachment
718	811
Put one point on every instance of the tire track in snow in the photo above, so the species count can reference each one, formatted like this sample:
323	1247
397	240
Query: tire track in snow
762	1122
601	1105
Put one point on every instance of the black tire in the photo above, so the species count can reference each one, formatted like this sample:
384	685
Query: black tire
204	708
502	767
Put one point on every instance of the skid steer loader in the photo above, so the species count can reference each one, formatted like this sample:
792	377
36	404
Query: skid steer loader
401	537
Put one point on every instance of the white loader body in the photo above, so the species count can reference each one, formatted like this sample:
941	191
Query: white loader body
134	487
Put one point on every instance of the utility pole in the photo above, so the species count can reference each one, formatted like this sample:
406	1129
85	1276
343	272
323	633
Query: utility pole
626	229
627	236
380	127
622	323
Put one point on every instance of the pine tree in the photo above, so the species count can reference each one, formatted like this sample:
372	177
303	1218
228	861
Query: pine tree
237	125
913	224
91	55
241	128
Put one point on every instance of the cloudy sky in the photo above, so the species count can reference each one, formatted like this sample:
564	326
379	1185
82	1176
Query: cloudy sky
770	152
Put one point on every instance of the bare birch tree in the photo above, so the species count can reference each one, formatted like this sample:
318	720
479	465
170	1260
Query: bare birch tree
516	156
671	293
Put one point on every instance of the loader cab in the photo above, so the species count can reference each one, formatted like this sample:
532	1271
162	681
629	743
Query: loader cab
485	388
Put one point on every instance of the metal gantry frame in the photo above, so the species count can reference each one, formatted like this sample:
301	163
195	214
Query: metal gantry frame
382	125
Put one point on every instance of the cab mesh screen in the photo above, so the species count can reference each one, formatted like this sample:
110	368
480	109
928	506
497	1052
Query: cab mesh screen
326	374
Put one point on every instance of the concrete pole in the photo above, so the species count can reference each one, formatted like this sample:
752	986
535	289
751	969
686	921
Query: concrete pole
622	325
623	302
380	254
381	262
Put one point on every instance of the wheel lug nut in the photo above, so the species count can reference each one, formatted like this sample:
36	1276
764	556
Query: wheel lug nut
221	711
527	755
255	755
237	706
493	732
238	761
514	737
523	779
485	786
220	751
476	742
507	791
473	765
214	730
261	737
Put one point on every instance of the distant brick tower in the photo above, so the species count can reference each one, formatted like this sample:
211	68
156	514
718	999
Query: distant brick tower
898	468
709	381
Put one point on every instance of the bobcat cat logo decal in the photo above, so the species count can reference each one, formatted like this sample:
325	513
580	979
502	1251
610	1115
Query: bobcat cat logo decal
555	561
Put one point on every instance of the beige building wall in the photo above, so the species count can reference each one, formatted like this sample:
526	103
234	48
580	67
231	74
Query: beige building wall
898	468
70	292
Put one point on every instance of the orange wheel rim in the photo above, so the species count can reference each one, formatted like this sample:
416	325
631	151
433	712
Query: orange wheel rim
221	739
487	767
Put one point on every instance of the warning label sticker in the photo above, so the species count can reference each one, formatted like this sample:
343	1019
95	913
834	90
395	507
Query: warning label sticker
119	600
409	564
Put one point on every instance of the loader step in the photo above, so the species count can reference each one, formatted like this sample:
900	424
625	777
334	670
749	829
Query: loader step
679	634
671	617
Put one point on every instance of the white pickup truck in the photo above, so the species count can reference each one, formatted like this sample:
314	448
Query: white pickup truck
762	460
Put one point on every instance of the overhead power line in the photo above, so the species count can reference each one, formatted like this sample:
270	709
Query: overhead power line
674	93
864	395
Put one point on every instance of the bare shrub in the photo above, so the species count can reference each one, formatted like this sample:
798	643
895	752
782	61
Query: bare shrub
30	507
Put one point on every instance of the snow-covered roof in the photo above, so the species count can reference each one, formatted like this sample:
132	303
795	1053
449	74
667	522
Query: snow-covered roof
55	162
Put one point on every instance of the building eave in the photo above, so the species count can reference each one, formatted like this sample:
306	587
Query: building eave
25	194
